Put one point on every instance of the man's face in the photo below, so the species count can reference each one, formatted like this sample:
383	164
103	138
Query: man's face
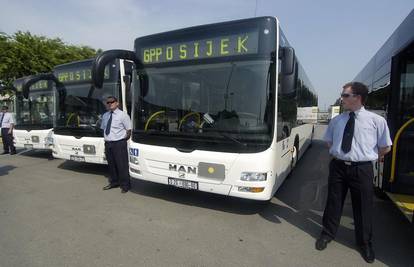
111	104
349	100
3	110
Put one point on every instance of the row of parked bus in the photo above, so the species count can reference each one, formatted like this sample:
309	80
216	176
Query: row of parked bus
214	107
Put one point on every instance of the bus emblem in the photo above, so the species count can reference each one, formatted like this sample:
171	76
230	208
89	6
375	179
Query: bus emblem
182	169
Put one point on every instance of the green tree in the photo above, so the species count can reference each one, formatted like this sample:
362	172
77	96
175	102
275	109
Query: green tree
23	54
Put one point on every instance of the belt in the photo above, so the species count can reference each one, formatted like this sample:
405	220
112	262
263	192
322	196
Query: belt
352	163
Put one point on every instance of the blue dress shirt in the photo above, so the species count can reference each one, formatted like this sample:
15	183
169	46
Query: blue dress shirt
119	125
371	132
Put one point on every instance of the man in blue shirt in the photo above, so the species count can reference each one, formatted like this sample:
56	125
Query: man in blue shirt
6	125
116	125
355	139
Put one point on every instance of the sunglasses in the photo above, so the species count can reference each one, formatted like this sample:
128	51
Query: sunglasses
110	102
345	95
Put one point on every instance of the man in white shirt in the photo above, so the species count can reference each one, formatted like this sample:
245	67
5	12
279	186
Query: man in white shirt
7	124
355	138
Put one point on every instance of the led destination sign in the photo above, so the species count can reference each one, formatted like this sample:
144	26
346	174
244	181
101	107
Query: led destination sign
43	84
77	75
40	85
221	46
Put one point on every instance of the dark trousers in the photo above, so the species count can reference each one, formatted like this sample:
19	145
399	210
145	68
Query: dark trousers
358	179
117	156
7	138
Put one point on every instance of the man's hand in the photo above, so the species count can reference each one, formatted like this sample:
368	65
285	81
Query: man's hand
383	150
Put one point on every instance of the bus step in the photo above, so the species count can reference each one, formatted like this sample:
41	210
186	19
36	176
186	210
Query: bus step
405	203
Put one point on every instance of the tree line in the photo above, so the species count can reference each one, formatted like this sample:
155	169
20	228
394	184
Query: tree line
23	53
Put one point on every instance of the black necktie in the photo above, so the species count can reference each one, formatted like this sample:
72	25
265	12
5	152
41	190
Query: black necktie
348	133
108	125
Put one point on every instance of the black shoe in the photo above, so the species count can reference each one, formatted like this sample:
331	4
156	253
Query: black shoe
5	152
322	242
367	253
13	152
124	190
110	186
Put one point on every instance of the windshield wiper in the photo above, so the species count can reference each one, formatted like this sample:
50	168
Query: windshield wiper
229	137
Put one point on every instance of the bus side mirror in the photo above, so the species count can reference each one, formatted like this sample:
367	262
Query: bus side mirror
100	61
289	69
127	81
288	60
30	80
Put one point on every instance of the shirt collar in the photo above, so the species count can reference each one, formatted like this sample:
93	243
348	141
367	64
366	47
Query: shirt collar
357	112
116	110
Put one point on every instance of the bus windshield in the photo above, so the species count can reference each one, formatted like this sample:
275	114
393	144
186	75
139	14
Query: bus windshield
219	107
80	108
36	112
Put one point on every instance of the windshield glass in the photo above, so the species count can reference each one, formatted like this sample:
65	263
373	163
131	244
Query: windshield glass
219	107
36	112
80	108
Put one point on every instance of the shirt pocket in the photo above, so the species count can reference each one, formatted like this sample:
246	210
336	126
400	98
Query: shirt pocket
116	123
367	137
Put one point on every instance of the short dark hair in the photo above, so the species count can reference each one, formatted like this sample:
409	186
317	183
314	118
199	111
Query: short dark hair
4	108
358	89
113	97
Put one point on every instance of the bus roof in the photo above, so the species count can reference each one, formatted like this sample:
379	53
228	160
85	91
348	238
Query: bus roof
204	26
74	63
399	39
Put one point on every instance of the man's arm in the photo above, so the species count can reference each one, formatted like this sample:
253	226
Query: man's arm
11	124
383	150
329	144
128	134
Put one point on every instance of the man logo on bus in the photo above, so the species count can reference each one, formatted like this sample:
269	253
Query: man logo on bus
181	169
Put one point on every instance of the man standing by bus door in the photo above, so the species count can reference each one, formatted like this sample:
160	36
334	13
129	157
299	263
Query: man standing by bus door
116	125
6	125
355	139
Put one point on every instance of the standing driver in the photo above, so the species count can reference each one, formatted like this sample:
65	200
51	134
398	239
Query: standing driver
116	125
6	125
355	138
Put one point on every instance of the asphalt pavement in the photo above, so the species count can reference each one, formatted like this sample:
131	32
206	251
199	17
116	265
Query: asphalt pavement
54	213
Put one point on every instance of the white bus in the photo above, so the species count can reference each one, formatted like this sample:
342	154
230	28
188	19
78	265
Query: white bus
35	112
215	107
77	135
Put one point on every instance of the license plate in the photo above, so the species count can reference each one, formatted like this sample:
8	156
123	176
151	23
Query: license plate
77	158
183	183
28	146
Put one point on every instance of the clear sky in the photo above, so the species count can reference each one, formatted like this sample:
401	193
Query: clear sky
333	39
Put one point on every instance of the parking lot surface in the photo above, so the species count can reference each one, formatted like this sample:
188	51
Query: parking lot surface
54	213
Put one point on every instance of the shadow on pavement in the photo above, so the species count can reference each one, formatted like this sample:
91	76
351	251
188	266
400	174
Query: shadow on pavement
45	154
4	170
197	198
83	167
303	198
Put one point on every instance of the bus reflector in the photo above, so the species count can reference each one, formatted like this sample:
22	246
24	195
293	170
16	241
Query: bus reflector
251	189
135	170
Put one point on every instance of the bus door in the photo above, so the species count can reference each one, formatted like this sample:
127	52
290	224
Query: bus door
402	163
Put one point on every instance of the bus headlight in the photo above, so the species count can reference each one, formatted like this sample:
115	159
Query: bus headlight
253	176
133	160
